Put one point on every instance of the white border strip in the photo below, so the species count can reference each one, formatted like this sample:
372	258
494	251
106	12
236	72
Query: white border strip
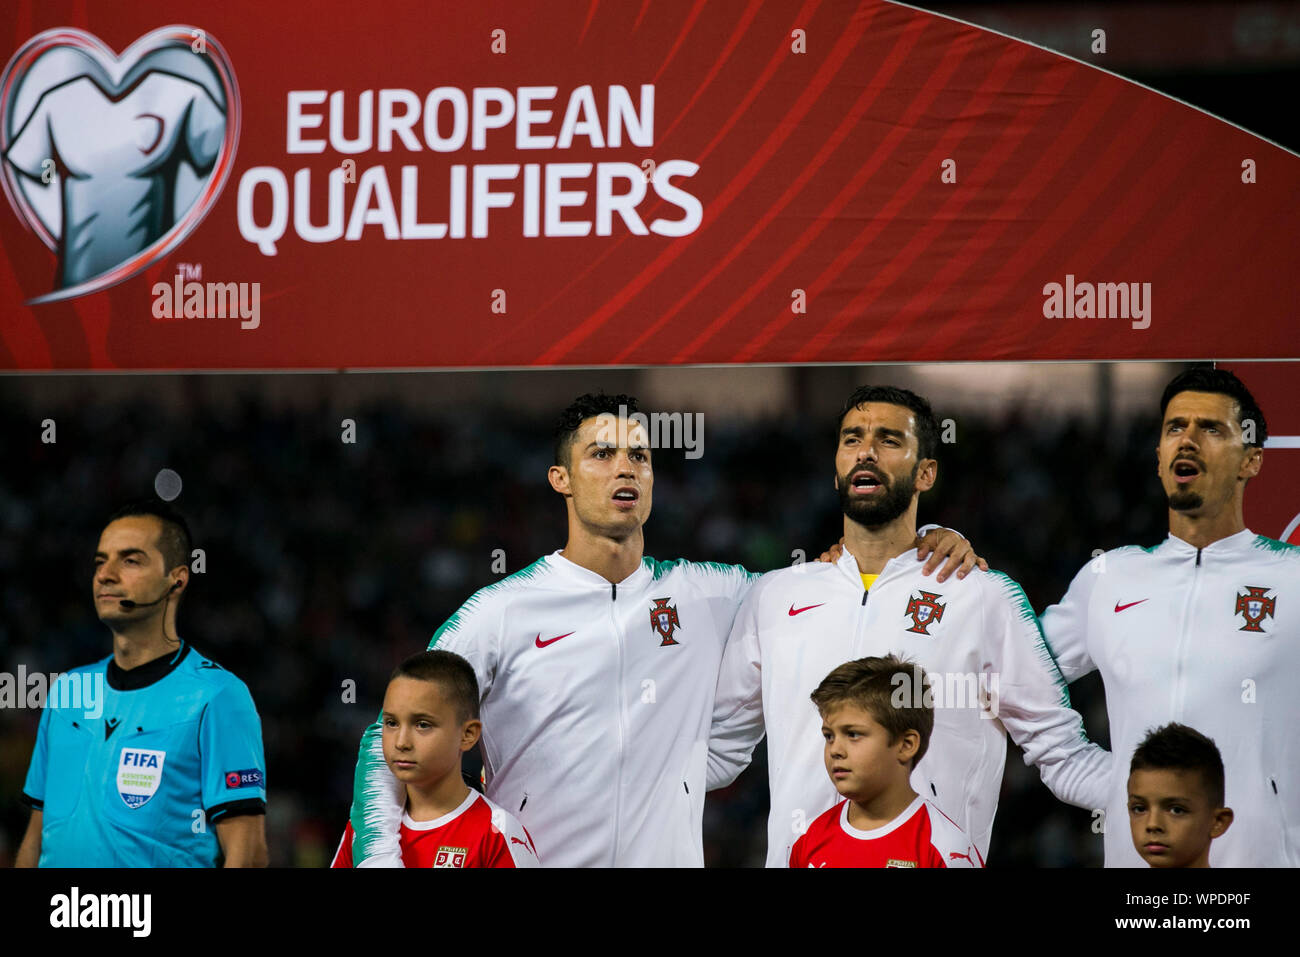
629	367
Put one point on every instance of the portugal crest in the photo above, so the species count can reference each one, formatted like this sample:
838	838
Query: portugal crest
924	612
664	620
1254	607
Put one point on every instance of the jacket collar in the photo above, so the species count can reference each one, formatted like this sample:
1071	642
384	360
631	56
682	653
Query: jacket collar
848	565
577	575
1223	547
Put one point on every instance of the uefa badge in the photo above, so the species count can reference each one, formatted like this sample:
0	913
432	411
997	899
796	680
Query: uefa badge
139	772
924	612
664	620
1255	607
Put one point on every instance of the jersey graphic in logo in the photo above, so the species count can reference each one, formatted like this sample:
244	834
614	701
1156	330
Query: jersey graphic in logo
1254	607
113	161
139	772
110	727
924	612
664	620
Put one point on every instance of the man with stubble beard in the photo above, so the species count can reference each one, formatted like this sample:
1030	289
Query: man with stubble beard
976	637
1202	629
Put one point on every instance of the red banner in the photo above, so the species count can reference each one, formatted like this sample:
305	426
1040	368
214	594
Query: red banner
494	184
1272	503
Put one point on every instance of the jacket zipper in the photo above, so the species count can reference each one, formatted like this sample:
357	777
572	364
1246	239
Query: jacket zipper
618	770
862	621
1183	640
862	609
1282	817
862	627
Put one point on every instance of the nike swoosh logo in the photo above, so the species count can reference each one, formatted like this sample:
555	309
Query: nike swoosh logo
549	641
1119	607
799	611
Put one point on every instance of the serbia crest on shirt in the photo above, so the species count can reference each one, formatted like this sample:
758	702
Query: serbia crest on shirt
922	836
476	834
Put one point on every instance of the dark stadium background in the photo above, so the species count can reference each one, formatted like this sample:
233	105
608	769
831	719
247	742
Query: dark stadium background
328	562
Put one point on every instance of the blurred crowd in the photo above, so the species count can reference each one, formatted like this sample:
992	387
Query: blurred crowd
328	562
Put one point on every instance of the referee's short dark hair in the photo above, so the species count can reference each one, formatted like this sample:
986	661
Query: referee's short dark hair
174	540
1176	747
452	672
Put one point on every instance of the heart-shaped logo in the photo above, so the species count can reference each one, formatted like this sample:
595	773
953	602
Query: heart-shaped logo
113	161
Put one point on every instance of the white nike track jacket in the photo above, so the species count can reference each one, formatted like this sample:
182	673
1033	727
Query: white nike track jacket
979	642
595	701
1209	638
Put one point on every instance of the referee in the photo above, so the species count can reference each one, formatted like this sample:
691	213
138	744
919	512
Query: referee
160	765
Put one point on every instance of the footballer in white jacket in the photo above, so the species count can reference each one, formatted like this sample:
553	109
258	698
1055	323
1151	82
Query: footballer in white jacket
977	637
596	670
1202	629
